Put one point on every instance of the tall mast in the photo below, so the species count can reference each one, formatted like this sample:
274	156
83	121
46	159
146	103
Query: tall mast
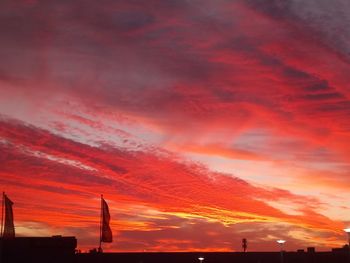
100	247
2	213
2	225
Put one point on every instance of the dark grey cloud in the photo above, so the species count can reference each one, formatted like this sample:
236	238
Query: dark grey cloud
170	61
321	86
323	96
327	21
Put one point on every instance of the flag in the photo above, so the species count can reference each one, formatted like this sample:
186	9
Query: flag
9	228
106	232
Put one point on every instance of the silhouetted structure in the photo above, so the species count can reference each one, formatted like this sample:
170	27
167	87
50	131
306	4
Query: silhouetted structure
39	249
59	249
244	244
7	224
215	257
345	248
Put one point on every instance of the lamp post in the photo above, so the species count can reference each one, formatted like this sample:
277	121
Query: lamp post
281	242
347	230
201	259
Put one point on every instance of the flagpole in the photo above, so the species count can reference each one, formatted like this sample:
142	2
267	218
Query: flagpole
2	213
2	225
100	246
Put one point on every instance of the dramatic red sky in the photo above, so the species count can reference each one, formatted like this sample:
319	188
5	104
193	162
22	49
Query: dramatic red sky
202	122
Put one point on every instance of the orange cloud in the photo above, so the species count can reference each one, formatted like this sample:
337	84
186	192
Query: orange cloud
115	104
63	194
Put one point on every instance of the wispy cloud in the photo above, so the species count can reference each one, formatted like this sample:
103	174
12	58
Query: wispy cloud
217	114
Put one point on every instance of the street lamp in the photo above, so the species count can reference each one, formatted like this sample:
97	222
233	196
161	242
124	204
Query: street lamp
281	242
347	230
201	259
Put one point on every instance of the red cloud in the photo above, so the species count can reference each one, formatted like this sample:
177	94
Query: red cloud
242	80
57	181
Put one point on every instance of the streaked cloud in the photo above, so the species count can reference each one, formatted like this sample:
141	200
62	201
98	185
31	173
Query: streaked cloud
208	117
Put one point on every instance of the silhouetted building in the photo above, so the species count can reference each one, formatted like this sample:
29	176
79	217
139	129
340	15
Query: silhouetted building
38	249
311	250
341	249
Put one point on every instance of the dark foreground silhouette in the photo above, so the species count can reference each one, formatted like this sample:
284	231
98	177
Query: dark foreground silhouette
216	257
59	249
38	249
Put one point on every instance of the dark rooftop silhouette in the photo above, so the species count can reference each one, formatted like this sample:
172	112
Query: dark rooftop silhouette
58	249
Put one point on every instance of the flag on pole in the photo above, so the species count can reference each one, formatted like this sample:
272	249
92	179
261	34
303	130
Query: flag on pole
9	227
106	232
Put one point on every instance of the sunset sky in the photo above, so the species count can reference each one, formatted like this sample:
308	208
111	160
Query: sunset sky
202	122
